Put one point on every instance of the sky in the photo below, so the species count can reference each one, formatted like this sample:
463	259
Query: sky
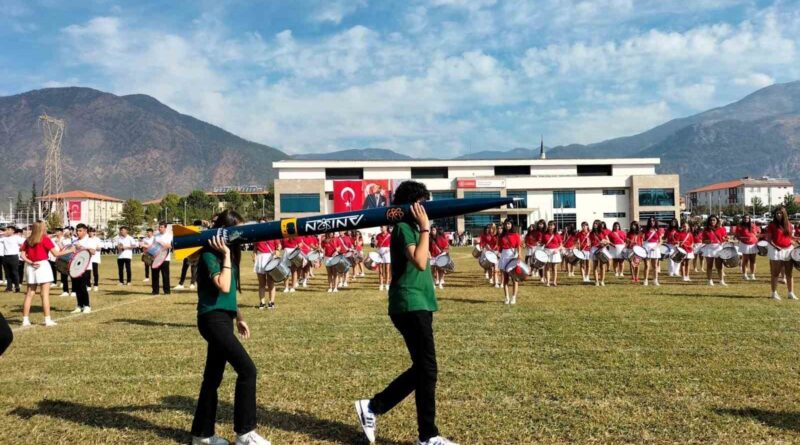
421	77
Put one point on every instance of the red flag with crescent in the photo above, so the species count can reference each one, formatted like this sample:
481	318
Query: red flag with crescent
74	209
347	195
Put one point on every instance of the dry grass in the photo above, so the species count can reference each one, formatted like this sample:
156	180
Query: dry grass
683	363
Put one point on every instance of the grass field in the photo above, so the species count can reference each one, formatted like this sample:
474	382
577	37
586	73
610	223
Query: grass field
682	363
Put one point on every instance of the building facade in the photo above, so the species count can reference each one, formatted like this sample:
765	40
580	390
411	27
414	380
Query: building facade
568	191
93	209
740	193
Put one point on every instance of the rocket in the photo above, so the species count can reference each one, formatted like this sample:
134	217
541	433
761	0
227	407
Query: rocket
189	239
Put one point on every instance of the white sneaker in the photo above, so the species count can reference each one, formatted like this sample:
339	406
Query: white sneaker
710	282
146	280
723	283
86	310
508	300
792	296
646	283
330	290
381	287
655	283
285	290
77	310
96	288
292	290
746	277
213	440
441	286
305	283
26	322
441	281
603	284
783	280
367	419
72	294
775	296
597	283
48	322
119	284
514	299
64	294
192	286
387	287
497	285
438	440
753	277
251	438
178	287
335	289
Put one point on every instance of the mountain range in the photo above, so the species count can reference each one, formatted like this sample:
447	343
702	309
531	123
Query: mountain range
135	146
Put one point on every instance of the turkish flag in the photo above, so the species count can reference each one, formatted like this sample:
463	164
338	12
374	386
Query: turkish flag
74	210
347	195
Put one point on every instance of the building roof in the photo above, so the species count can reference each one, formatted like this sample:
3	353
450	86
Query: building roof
746	181
302	163
79	194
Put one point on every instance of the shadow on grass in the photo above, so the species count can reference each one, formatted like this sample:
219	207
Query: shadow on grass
150	323
467	300
121	417
777	419
125	293
702	295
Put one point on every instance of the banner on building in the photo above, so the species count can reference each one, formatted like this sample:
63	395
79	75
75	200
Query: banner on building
480	183
350	195
74	210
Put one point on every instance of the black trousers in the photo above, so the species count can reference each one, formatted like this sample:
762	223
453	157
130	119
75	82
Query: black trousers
184	268
126	265
146	271
20	271
216	327
79	286
55	272
1	269
6	336
95	276
417	331
65	282
11	266
162	273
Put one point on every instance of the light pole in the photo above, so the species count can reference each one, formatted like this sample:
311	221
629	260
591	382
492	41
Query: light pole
10	209
184	211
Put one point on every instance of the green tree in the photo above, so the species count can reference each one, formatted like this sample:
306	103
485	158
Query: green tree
730	210
758	206
791	206
152	212
54	220
233	200
132	213
199	205
33	196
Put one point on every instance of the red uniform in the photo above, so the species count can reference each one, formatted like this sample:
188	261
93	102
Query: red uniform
777	237
488	241
331	247
617	237
634	239
383	239
596	238
510	241
747	235
670	236
684	240
697	238
551	240
291	243
266	246
532	238
38	252
583	240
571	241
653	235
439	246
714	236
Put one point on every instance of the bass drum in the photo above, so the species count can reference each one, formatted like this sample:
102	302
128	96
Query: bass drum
523	273
488	259
476	252
74	264
277	270
539	259
373	261
155	255
729	255
445	263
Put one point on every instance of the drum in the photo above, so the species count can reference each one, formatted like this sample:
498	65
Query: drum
539	258
74	264
575	256
445	263
678	255
476	251
666	251
155	255
511	270
262	260
729	255
339	263
638	253
277	270
359	256
763	247
795	257
603	255
350	257
294	258
314	257
373	261
529	251
488	259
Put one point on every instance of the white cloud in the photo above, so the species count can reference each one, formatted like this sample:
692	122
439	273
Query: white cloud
334	11
595	125
754	80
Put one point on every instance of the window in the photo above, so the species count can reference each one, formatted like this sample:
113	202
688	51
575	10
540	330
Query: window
564	199
564	219
299	202
429	172
521	194
481	194
594	170
475	222
614	215
344	173
512	170
656	197
661	217
609	192
446	224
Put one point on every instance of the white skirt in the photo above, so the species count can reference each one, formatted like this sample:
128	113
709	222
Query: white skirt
653	252
699	248
506	255
775	254
616	251
748	249
385	256
711	250
689	256
260	265
42	275
555	256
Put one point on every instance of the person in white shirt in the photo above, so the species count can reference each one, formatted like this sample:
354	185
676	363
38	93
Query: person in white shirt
147	241
164	238
21	235
97	245
125	245
11	243
65	242
80	285
2	254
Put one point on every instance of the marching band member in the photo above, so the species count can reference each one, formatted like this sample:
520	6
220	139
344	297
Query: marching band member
190	266
56	238
125	245
313	242
66	241
652	237
358	242
147	241
305	249
331	246
347	246
289	245
80	285
617	239
383	241
669	236
510	248
2	257
438	247
552	242
585	245
634	238
531	241
263	253
598	239
781	243
697	238
487	241
162	273
11	259
39	275
685	240
541	229
747	233
97	244
713	237
570	236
